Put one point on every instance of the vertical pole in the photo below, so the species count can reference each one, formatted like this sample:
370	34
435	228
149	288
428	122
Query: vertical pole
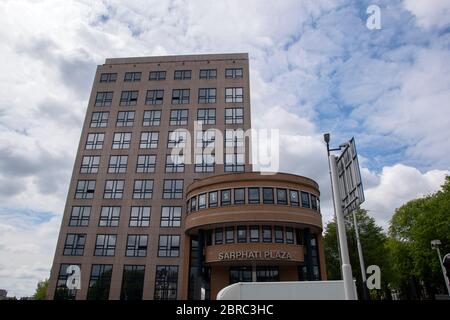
361	257
444	272
340	224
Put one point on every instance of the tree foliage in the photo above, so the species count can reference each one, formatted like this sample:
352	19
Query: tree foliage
41	290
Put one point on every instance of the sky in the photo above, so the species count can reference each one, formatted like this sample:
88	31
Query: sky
314	68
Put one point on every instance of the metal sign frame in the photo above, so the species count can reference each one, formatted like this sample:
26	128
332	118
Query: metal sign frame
349	178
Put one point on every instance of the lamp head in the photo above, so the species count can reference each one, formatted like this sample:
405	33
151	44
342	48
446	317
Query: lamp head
435	243
326	137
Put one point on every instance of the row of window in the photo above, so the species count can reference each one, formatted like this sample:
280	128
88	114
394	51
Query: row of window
136	246
253	234
176	139
204	74
253	195
174	163
178	117
179	96
139	216
166	280
142	189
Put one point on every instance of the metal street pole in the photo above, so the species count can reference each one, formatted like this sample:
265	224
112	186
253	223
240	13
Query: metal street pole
361	257
340	224
443	270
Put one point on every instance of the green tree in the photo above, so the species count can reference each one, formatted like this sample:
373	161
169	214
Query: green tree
41	290
412	228
375	251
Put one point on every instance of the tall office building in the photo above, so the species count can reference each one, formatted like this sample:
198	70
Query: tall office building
160	207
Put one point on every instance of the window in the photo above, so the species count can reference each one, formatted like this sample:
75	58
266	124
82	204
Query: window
173	189
314	202
61	291
108	77
132	282
154	97
202	201
234	95
140	216
143	189
212	199
193	204
74	245
79	217
103	99
208	74
169	246
254	234
105	245
132	76
180	96
136	245
279	235
233	73
241	234
234	162
234	138
182	75
267	195
174	163
218	236
234	115
118	164
85	189
99	282
225	197
149	140
299	236
293	197
166	282
229	234
240	274
146	164
152	118
125	119
267	274
121	140
90	164
129	98
239	196
99	120
253	195
281	196
305	200
205	138
157	75
113	189
95	141
267	233
178	117
289	235
206	116
109	217
170	217
177	138
207	95
204	162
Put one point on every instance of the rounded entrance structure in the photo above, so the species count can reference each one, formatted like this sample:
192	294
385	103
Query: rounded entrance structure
252	227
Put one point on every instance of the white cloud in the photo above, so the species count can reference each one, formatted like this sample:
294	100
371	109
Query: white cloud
431	13
397	185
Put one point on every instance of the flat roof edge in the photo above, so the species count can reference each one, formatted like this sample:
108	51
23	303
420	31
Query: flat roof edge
178	58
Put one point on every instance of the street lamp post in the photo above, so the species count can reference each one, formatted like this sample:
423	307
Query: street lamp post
340	224
435	245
